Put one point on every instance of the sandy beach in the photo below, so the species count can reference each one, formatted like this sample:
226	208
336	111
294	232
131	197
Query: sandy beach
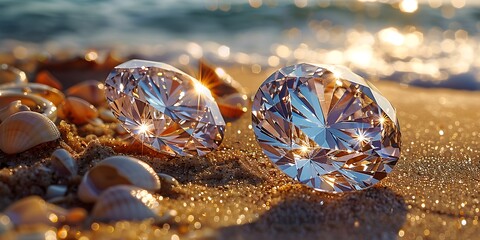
235	192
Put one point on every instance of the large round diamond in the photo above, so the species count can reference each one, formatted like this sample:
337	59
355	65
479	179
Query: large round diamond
326	127
164	108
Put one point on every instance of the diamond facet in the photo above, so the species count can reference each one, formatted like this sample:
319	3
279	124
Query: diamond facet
326	127
164	108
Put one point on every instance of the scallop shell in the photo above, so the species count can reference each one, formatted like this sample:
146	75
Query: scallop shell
63	163
125	202
117	170
24	130
91	91
34	210
13	107
77	111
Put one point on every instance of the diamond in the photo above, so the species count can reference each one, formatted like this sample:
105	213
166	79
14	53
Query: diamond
164	108
326	127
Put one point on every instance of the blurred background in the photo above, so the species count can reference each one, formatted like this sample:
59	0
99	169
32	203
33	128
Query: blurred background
428	43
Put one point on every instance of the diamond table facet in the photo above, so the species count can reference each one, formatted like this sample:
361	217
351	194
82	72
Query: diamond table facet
326	127
164	108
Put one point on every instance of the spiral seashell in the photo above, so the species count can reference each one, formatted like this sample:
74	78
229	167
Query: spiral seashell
13	107
125	202
77	111
63	163
228	93
91	91
24	130
117	170
34	210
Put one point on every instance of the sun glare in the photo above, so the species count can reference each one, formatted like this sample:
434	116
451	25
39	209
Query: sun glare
200	88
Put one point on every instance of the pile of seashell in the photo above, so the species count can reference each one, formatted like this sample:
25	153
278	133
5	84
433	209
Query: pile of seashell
118	187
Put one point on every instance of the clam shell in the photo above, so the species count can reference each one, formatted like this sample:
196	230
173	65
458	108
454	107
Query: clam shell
77	111
13	107
117	170
125	202
91	91
63	163
34	210
24	130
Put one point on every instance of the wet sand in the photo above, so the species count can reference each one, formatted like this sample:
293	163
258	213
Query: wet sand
237	193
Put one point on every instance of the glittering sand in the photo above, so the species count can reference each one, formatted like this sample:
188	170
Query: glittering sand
237	193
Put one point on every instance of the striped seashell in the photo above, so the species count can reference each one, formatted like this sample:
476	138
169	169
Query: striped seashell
117	170
124	202
24	130
34	210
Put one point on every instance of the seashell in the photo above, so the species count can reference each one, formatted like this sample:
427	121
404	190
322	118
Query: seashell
91	91
13	107
24	130
34	210
228	93
125	202
34	102
77	111
106	115
117	170
63	163
46	78
51	94
55	191
167	182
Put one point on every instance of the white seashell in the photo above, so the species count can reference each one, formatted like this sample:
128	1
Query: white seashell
77	111
63	163
34	210
125	202
11	108
55	191
117	170
91	91
24	130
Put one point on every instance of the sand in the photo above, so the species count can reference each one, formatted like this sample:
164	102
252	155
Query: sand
237	193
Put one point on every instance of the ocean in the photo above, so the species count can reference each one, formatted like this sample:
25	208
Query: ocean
433	46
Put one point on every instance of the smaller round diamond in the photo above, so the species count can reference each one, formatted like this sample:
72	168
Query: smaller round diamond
164	108
326	127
